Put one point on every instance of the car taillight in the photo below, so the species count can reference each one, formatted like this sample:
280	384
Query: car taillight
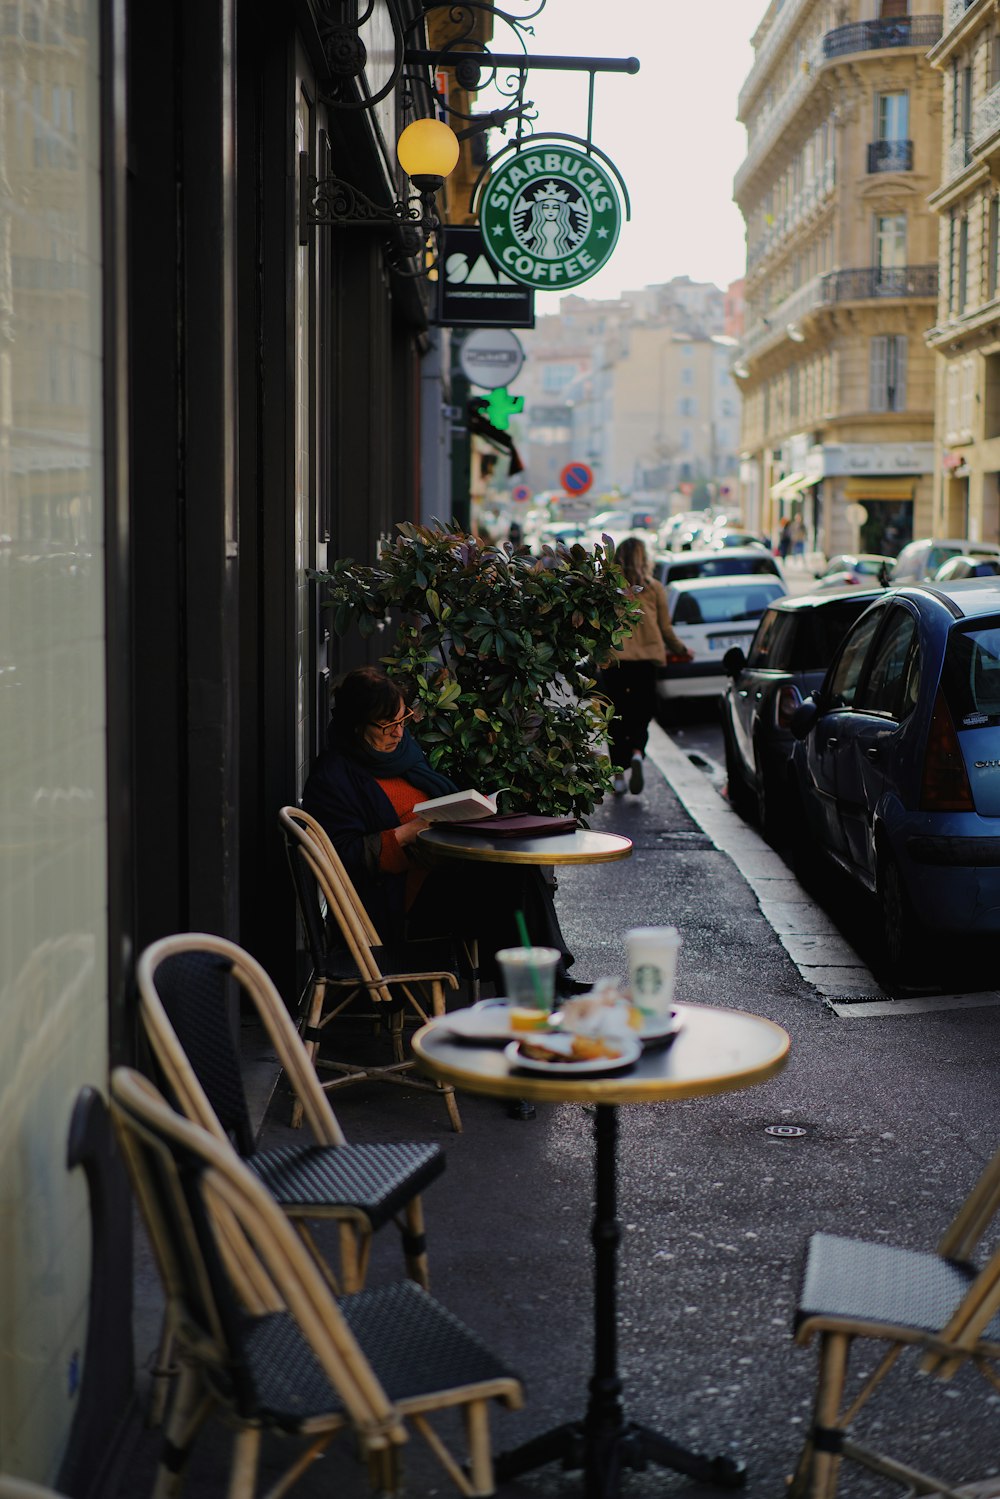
673	660
786	701
945	784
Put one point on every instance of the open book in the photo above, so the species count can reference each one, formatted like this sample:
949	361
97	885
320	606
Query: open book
457	806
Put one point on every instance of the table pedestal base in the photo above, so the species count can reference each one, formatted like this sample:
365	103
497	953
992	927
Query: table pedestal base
605	1442
603	1455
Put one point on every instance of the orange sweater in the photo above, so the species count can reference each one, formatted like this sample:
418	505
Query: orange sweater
393	859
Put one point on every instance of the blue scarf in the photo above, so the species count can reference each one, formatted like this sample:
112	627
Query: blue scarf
406	760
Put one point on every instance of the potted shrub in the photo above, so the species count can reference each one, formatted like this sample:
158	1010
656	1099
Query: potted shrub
501	648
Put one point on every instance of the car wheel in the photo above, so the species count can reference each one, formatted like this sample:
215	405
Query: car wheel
740	798
903	938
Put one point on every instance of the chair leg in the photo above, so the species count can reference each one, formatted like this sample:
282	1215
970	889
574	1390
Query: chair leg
246	1456
477	1434
396	1032
450	1103
314	1015
188	1410
414	1243
164	1373
817	1471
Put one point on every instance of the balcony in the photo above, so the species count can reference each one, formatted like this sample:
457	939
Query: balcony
890	156
986	117
958	156
871	283
869	36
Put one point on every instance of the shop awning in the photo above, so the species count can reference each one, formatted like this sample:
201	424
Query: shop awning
878	489
790	485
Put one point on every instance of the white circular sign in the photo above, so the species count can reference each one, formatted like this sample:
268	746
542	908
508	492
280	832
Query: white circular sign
857	515
491	357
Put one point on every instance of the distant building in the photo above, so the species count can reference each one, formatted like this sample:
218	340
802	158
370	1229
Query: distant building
639	388
966	336
841	108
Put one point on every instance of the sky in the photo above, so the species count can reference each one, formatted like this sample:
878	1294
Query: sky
671	129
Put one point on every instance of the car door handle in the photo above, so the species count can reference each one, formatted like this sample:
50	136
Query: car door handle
743	692
872	752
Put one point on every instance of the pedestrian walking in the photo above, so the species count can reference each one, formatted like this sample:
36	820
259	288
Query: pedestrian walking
797	536
785	539
629	680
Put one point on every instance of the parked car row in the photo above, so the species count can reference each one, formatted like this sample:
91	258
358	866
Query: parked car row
889	766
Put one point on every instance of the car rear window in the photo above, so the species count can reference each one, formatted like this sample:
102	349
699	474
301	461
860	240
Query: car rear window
971	675
715	567
715	606
821	631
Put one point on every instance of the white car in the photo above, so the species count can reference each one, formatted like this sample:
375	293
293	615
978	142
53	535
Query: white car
921	559
710	615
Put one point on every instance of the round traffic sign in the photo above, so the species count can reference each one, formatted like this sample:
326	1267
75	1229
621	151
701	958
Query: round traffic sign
491	357
521	493
576	478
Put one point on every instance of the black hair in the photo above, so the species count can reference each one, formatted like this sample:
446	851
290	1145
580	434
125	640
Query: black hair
365	696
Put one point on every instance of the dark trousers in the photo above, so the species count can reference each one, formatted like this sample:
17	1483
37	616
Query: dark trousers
479	899
631	686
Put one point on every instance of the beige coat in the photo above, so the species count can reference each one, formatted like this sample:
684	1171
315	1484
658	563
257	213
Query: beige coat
654	635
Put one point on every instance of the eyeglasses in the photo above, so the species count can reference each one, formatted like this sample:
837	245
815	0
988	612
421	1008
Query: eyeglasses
397	723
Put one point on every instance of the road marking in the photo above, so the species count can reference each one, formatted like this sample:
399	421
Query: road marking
917	1005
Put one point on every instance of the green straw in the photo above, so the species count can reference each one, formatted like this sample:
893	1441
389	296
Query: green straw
536	978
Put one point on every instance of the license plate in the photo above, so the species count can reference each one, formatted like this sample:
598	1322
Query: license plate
723	642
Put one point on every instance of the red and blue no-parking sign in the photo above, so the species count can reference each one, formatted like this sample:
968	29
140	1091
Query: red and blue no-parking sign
576	478
520	493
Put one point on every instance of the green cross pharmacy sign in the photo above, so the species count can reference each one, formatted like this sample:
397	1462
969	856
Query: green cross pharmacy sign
550	216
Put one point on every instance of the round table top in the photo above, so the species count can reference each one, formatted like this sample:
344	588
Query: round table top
580	847
715	1051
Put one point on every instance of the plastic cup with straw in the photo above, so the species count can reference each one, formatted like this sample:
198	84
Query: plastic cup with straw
528	971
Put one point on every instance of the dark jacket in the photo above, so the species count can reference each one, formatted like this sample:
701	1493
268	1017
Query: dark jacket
354	810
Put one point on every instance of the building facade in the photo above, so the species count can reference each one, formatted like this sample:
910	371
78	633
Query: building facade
966	335
204	394
842	110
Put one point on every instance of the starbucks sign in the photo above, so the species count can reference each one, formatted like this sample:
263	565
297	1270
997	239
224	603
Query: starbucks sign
550	216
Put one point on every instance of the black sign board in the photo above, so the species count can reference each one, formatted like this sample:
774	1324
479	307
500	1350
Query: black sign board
472	292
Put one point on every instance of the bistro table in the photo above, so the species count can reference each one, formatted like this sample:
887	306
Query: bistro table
579	847
715	1050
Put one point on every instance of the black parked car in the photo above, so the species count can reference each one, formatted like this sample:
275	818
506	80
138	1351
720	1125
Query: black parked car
794	644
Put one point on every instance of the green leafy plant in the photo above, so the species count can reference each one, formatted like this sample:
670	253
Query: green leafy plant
498	648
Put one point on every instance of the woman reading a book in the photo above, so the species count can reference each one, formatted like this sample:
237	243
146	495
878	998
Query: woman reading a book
363	789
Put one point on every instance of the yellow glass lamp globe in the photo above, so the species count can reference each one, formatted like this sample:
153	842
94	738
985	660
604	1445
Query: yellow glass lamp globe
427	152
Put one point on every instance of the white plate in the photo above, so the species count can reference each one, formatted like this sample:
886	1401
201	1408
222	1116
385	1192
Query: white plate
659	1028
631	1051
486	1021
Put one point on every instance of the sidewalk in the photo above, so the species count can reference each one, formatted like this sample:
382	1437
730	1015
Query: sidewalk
715	1210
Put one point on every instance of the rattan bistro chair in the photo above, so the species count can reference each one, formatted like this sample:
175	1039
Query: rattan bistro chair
262	1336
938	1302
183	1000
410	975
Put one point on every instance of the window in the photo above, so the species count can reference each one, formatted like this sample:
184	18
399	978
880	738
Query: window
844	680
892	117
963	263
685	406
890	242
891	686
687	376
887	372
971	676
992	246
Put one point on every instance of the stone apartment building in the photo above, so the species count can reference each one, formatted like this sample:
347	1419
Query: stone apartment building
842	109
966	336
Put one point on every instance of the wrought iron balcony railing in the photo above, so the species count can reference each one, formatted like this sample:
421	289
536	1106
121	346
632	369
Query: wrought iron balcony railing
986	116
866	283
890	156
866	36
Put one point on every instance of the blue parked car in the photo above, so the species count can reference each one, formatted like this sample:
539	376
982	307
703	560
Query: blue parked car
895	774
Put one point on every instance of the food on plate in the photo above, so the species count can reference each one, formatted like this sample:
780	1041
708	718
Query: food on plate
580	1049
523	1019
603	1012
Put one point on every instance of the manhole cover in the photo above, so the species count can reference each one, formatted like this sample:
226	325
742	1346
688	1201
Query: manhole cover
784	1131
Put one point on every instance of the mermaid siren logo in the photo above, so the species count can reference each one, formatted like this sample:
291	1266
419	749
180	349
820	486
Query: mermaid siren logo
550	217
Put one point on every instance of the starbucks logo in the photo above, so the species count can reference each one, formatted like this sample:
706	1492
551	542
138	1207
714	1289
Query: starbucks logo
550	217
647	979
